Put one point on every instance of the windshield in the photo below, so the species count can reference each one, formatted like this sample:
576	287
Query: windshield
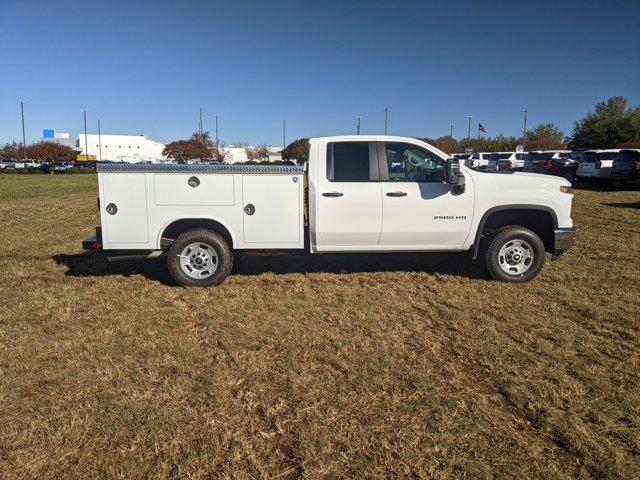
607	155
628	157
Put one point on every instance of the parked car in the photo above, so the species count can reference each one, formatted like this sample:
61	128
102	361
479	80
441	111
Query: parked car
197	215
478	160
551	162
31	164
596	164
7	163
626	167
505	161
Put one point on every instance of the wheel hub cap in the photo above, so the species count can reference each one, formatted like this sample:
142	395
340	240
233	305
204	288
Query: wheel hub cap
198	260
515	257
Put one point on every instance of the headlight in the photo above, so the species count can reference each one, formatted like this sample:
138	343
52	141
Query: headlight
564	189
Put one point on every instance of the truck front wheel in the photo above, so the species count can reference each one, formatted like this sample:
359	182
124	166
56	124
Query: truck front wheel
199	258
514	254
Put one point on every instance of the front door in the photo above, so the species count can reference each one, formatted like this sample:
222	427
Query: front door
349	199
419	209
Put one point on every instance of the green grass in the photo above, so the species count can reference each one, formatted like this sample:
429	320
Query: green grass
329	366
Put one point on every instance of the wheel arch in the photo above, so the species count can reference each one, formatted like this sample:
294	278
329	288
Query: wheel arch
172	229
542	223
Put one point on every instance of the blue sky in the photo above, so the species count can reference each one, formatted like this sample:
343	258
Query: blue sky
146	67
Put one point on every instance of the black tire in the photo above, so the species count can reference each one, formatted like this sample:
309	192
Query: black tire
495	261
212	241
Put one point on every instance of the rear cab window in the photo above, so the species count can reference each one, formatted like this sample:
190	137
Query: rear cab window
351	162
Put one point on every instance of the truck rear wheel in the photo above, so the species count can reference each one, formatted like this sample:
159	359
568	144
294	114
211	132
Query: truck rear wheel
199	258
514	254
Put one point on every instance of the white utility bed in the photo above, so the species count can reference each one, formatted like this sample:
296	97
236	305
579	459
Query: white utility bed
263	205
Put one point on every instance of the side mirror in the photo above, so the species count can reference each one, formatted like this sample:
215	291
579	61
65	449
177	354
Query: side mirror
454	177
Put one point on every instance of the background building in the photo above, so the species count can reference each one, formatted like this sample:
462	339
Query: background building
239	154
63	138
122	148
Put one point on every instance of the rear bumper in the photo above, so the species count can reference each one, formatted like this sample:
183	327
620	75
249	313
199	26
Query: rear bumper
563	238
93	243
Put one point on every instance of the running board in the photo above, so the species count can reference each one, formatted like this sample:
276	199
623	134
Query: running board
136	256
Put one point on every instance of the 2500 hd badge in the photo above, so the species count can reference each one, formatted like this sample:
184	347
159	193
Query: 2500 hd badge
449	217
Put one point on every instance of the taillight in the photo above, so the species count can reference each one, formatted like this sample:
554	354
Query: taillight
549	164
598	164
508	166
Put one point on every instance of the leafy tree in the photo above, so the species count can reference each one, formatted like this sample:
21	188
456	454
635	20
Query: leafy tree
198	147
545	136
184	150
51	152
11	150
297	151
610	124
255	154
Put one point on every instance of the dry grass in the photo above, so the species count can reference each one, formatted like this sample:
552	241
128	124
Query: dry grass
323	367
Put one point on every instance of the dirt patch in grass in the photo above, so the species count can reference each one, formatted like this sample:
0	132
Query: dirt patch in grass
328	366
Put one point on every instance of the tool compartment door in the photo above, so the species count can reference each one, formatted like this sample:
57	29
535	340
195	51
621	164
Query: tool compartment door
124	209
272	211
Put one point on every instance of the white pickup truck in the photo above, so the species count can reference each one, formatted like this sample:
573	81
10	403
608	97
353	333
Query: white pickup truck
355	194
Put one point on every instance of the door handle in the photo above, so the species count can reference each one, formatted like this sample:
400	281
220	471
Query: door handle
332	194
396	194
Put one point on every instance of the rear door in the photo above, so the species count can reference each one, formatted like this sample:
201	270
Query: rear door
419	209
349	197
123	209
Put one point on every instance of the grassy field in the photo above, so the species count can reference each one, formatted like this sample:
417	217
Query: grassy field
319	367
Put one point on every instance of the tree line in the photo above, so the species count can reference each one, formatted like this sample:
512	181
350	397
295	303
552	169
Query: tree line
611	124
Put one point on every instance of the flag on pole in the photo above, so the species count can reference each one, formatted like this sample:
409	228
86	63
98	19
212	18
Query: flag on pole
481	128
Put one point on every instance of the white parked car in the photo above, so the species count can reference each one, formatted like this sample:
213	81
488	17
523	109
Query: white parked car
478	160
363	194
596	164
505	161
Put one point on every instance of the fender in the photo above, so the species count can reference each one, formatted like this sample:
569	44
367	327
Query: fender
190	217
499	208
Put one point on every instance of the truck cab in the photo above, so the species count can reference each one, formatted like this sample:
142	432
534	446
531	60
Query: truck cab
355	194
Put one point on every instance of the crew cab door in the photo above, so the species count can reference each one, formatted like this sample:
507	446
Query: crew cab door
420	210
348	197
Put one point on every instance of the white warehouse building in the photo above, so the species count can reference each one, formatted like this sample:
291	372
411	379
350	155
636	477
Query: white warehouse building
122	148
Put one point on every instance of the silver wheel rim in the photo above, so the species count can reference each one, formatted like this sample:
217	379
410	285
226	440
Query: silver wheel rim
515	257
198	260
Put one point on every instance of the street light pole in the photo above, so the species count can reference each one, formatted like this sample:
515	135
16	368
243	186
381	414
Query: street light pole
451	130
469	132
386	118
86	143
99	141
284	131
200	123
358	117
217	138
524	129
24	138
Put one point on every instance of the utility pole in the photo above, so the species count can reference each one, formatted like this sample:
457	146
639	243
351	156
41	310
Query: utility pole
24	138
451	130
200	123
469	132
358	117
99	142
524	129
217	138
284	131
386	118
86	143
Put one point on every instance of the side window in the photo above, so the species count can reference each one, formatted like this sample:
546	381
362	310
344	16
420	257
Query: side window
348	162
411	163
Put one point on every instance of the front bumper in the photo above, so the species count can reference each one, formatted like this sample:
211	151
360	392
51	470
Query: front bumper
563	238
